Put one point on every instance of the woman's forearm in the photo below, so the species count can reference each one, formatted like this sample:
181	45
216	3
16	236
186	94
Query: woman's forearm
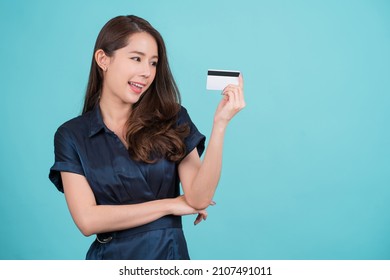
205	182
107	218
91	218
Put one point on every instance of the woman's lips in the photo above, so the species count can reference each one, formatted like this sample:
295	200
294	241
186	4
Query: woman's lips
136	87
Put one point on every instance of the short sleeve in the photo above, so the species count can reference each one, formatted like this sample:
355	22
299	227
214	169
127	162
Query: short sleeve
66	157
195	139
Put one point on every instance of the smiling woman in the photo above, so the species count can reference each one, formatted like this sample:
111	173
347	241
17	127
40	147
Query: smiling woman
121	162
129	51
127	75
129	66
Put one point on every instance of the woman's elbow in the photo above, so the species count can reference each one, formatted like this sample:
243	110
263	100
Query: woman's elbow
86	232
85	227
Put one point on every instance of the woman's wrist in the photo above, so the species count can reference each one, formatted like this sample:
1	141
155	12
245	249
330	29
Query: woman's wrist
220	125
163	206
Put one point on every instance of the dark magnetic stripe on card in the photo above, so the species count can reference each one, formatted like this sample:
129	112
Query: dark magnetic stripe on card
223	73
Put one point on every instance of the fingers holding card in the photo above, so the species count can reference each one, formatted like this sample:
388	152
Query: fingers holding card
232	86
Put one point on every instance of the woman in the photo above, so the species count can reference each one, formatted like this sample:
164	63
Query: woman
120	163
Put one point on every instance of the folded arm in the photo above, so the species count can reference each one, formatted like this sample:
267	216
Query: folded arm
91	218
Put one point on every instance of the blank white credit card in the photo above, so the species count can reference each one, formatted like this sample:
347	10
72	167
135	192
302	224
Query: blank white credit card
219	79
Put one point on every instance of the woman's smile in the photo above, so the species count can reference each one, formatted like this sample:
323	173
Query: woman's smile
136	87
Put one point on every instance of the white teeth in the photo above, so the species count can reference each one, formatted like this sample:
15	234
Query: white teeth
137	85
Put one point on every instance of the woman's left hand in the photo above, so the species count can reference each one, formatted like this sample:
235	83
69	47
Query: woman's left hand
202	215
232	102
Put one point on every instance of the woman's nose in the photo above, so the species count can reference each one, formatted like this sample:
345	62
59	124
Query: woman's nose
146	70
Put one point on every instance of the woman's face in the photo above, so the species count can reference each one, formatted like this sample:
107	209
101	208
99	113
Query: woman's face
132	69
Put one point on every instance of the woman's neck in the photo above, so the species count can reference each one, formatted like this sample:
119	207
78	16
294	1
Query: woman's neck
115	115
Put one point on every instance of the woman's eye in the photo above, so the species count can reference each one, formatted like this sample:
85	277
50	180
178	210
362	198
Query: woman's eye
154	63
136	58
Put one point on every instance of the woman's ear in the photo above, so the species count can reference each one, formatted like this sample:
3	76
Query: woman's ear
102	59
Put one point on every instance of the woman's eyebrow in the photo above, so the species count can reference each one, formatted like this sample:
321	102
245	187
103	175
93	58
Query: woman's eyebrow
142	54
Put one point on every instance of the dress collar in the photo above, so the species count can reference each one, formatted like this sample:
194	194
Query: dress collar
96	121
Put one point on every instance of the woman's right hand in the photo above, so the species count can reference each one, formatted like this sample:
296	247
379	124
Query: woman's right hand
232	102
180	207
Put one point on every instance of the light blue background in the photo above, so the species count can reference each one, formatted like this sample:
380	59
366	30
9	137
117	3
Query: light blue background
306	165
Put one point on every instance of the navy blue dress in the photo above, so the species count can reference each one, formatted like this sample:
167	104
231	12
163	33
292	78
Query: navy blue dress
84	145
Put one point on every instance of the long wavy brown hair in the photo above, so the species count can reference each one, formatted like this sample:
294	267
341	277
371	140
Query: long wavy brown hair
152	130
